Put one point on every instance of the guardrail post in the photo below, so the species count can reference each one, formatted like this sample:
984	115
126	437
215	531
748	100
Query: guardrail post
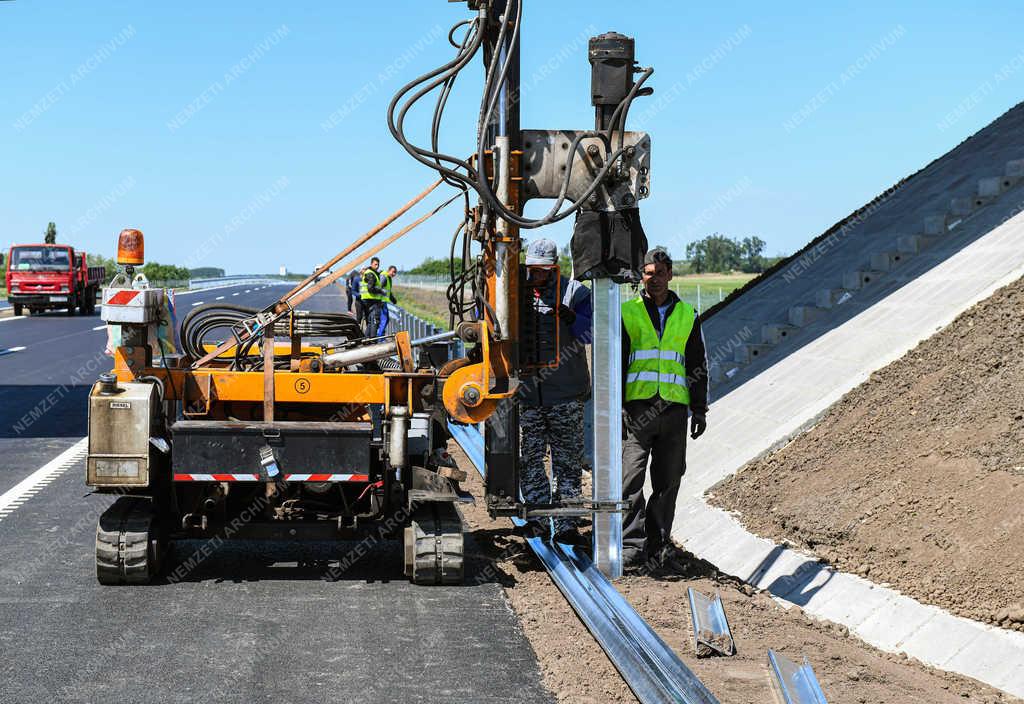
606	350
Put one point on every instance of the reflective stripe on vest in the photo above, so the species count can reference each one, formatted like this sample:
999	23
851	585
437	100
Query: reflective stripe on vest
364	288
657	367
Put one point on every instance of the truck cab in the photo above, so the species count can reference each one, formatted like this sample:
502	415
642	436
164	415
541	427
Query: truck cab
51	276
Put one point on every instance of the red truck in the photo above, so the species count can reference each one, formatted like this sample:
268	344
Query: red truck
48	276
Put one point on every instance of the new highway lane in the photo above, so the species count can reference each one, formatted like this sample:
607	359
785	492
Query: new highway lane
252	622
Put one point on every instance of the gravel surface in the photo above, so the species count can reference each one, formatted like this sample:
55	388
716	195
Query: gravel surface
576	669
916	478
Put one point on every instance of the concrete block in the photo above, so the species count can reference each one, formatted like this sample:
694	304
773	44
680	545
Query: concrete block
1013	173
895	623
961	206
745	354
775	333
832	297
886	261
802	316
716	373
935	224
989	189
913	244
856	280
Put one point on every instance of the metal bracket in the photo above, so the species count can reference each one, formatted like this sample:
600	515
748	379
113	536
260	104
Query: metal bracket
575	507
196	399
547	154
268	464
711	632
792	683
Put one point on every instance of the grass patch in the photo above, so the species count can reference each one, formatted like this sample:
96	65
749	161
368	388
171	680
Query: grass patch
427	304
713	287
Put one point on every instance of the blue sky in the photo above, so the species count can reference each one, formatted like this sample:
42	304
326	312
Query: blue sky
209	125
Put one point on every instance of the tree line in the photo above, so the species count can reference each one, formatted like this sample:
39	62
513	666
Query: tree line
718	253
713	254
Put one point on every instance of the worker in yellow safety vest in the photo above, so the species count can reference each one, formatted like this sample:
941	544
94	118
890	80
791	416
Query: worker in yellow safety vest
665	383
373	297
387	280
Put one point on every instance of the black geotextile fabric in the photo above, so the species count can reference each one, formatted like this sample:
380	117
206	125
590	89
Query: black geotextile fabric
608	244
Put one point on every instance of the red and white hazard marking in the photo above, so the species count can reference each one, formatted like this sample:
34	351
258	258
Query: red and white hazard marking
122	298
286	477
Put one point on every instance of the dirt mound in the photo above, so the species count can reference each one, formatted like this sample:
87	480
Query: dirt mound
915	478
576	669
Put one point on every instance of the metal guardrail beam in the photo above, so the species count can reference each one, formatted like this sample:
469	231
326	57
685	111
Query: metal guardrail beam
199	284
793	683
647	664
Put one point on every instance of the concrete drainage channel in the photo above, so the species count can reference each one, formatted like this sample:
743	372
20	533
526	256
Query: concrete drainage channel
647	664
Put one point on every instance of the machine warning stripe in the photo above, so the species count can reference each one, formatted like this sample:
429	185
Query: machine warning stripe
122	298
286	477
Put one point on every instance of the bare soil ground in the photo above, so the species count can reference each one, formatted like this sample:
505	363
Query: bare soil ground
576	669
916	478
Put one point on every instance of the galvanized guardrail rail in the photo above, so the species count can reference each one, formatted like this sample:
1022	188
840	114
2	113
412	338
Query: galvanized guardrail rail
647	664
238	280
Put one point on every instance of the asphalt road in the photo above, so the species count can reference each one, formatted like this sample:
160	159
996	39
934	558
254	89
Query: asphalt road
253	623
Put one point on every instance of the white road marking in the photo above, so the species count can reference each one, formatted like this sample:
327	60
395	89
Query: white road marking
21	492
234	294
13	317
11	350
100	327
197	303
220	298
248	290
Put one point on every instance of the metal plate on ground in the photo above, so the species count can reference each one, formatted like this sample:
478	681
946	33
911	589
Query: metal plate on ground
711	632
793	683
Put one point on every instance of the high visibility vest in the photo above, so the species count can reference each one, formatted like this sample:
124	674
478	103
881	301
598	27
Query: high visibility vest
657	367
364	288
386	285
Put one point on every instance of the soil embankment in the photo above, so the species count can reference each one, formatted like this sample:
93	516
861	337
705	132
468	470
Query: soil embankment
915	478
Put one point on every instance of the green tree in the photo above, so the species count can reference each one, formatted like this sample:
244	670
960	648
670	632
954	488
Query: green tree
206	272
565	262
433	267
716	253
752	255
99	260
51	233
155	271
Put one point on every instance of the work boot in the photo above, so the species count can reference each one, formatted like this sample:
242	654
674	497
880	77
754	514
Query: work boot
672	560
635	564
571	536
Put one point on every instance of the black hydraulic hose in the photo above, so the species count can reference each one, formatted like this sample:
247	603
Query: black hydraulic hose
201	321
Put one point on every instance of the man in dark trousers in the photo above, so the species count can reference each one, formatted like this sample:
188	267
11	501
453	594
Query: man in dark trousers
373	297
386	282
352	286
665	383
551	400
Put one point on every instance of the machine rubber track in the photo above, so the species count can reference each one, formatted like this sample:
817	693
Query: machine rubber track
434	545
127	545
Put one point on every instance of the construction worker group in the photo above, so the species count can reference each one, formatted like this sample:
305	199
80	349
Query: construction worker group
665	388
368	293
